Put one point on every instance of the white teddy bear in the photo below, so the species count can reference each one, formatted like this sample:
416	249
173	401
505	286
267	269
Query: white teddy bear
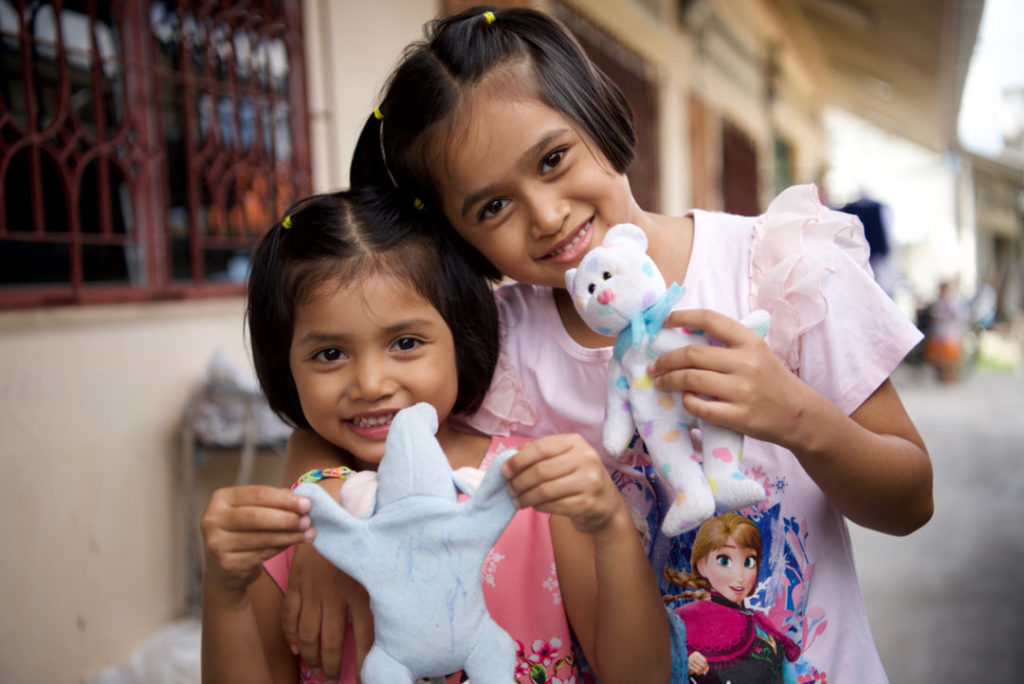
619	291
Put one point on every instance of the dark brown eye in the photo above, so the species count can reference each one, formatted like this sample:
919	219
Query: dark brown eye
591	287
607	275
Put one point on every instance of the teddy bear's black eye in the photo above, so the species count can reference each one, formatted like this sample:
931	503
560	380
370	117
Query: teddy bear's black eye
591	287
607	275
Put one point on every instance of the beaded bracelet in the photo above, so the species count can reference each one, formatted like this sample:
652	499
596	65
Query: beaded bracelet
340	472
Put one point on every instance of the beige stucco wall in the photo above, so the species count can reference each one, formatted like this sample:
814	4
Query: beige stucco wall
350	47
90	401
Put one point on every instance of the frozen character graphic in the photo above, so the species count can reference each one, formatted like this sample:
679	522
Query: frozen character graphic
726	641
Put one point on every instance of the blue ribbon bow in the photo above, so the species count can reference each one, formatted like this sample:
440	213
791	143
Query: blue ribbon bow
648	321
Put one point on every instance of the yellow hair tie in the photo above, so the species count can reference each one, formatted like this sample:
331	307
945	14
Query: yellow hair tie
489	17
287	223
418	203
377	113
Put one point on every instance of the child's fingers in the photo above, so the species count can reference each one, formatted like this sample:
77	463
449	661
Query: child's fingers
681	369
559	495
309	633
544	462
233	565
590	502
291	605
266	497
244	526
532	453
254	519
537	462
256	507
539	480
223	543
345	607
723	328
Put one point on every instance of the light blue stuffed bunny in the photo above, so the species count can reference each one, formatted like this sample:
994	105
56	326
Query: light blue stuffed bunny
419	554
619	291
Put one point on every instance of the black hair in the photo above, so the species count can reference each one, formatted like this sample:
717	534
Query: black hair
458	51
350	234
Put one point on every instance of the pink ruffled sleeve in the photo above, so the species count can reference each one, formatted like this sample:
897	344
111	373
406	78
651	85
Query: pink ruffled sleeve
795	244
506	406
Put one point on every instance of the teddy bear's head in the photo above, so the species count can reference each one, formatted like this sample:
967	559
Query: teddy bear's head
614	280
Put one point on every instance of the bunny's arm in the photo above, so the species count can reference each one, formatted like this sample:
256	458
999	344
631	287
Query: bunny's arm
493	497
340	537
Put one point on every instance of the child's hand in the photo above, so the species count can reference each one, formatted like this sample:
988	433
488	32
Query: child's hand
244	526
314	614
564	475
698	664
741	386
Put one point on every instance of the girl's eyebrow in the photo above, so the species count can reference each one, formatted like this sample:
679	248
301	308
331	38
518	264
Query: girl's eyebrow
323	337
528	154
316	337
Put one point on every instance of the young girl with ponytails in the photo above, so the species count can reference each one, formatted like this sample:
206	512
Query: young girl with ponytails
356	311
498	125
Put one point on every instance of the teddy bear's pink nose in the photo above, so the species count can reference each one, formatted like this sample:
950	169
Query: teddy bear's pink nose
605	297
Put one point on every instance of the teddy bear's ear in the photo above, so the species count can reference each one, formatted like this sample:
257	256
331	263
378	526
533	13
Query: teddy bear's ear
627	234
570	276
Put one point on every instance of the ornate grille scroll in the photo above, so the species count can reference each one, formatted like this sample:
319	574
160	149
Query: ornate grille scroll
145	145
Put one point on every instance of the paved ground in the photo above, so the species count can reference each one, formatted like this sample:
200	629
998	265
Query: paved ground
947	602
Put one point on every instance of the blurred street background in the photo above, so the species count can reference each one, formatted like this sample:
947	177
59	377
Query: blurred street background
945	603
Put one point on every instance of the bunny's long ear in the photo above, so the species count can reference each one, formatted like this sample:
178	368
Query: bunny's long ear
413	463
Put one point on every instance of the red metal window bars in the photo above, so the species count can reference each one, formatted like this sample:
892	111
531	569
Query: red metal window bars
145	145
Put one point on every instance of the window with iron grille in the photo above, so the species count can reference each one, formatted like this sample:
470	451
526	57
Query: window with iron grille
145	145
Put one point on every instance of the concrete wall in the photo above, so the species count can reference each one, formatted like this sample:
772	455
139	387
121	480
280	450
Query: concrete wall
92	398
351	45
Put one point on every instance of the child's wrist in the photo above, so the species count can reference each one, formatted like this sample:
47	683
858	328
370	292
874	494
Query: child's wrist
340	473
224	594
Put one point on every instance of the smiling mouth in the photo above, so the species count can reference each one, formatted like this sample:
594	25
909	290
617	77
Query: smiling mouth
579	235
372	421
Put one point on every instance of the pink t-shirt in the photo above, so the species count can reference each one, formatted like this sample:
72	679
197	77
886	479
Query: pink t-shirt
520	587
831	324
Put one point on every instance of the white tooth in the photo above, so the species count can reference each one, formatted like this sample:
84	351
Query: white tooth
373	421
572	242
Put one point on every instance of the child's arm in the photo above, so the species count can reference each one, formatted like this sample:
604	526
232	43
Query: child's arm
320	598
609	591
308	451
241	528
872	465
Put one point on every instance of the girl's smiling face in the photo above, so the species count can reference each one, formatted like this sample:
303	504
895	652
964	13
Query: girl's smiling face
731	569
522	186
363	350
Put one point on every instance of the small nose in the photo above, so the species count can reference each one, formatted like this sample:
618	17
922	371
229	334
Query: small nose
549	211
605	297
371	380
